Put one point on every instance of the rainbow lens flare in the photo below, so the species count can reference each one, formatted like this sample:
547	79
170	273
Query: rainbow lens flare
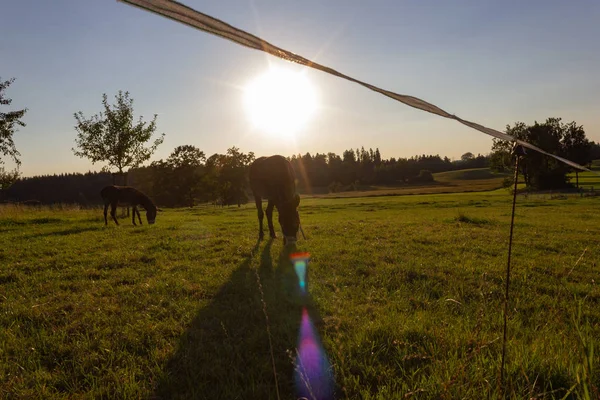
300	261
313	375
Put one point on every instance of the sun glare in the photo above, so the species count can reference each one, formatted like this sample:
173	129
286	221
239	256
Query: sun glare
280	102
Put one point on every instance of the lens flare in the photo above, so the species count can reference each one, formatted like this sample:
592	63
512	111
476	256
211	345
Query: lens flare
300	261
300	268
313	376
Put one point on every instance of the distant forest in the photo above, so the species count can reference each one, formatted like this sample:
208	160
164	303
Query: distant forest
187	178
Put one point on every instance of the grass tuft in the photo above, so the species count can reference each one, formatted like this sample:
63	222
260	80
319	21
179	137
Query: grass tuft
465	219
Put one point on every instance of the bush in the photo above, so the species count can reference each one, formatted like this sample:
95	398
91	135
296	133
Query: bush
425	176
335	187
553	179
508	182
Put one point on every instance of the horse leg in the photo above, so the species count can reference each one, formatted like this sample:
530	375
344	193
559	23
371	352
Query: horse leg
258	202
113	212
132	214
138	213
105	212
270	207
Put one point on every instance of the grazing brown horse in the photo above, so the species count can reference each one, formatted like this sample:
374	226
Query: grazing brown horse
126	195
273	178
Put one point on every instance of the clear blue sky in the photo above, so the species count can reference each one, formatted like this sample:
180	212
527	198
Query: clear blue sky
493	62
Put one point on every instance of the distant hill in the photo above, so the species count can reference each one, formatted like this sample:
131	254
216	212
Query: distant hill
464	180
467	174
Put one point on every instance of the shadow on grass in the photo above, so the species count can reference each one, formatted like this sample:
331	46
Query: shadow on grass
34	221
225	352
66	232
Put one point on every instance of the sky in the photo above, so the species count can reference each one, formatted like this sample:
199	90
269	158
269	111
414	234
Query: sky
491	62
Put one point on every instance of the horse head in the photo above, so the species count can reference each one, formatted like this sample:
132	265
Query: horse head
151	215
289	219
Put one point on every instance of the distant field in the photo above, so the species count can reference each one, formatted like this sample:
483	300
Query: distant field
468	180
405	293
589	180
460	181
467	174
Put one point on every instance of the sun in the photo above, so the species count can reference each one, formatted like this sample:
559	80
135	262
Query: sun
280	101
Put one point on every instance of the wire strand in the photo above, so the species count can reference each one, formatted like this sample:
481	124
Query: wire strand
264	308
181	13
506	292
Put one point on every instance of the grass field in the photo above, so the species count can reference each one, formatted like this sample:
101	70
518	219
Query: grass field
466	180
405	293
588	180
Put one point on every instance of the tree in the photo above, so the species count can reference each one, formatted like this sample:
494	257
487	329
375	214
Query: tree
349	157
186	164
425	176
7	178
594	151
539	170
234	176
211	179
320	171
227	176
577	147
377	157
468	156
348	167
186	156
112	136
8	121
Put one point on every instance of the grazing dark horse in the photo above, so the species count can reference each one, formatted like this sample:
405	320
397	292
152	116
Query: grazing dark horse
273	178
127	196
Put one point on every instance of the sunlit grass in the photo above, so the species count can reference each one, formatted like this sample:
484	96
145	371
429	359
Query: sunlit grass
405	292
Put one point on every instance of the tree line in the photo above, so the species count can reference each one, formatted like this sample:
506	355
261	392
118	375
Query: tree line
187	177
362	167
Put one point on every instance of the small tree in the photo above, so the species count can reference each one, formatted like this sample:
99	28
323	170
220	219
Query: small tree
468	156
335	187
577	147
186	165
594	151
425	176
234	176
186	156
227	176
7	178
112	136
539	170
8	121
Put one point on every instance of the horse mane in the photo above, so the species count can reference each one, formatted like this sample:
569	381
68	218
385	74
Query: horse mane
146	202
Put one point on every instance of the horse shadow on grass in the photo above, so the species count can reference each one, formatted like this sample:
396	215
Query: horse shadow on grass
66	232
225	352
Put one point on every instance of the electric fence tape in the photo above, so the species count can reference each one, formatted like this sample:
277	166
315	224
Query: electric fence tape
188	16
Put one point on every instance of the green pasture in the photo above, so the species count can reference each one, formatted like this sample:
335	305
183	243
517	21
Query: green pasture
405	293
